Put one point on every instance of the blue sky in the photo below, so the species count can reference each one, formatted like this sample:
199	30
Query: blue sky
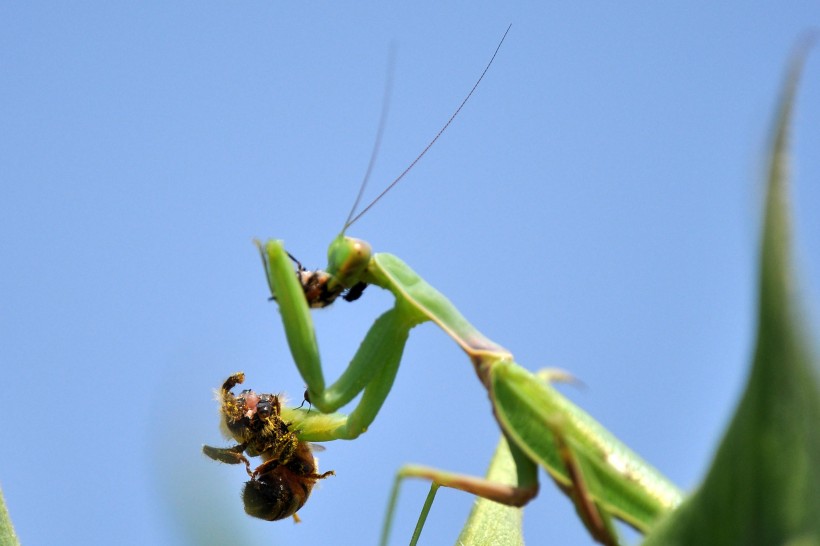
594	207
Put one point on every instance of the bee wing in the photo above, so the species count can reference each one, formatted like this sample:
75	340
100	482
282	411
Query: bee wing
316	447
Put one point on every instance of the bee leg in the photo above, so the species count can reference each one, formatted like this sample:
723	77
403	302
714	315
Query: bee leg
306	400
229	455
232	381
270	463
321	476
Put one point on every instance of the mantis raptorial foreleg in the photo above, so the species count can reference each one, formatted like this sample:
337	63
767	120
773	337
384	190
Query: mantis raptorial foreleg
372	369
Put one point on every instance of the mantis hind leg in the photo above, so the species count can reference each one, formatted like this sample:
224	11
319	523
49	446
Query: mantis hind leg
496	515
596	520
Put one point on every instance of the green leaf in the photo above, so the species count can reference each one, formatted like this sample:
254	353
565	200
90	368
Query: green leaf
764	484
491	522
7	535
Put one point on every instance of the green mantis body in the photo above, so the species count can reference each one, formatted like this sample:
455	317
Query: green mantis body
543	429
541	426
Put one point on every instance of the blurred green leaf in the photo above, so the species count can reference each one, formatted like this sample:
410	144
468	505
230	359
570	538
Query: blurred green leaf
764	484
491	522
7	535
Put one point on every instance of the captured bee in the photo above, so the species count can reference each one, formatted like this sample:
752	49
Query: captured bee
281	485
317	286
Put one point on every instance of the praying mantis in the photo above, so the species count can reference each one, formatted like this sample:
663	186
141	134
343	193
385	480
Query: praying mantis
543	429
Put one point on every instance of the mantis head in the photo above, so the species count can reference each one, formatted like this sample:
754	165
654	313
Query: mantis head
347	258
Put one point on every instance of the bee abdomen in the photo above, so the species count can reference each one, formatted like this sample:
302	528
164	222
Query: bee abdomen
276	494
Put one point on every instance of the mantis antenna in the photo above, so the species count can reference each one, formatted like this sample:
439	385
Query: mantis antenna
350	221
388	86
